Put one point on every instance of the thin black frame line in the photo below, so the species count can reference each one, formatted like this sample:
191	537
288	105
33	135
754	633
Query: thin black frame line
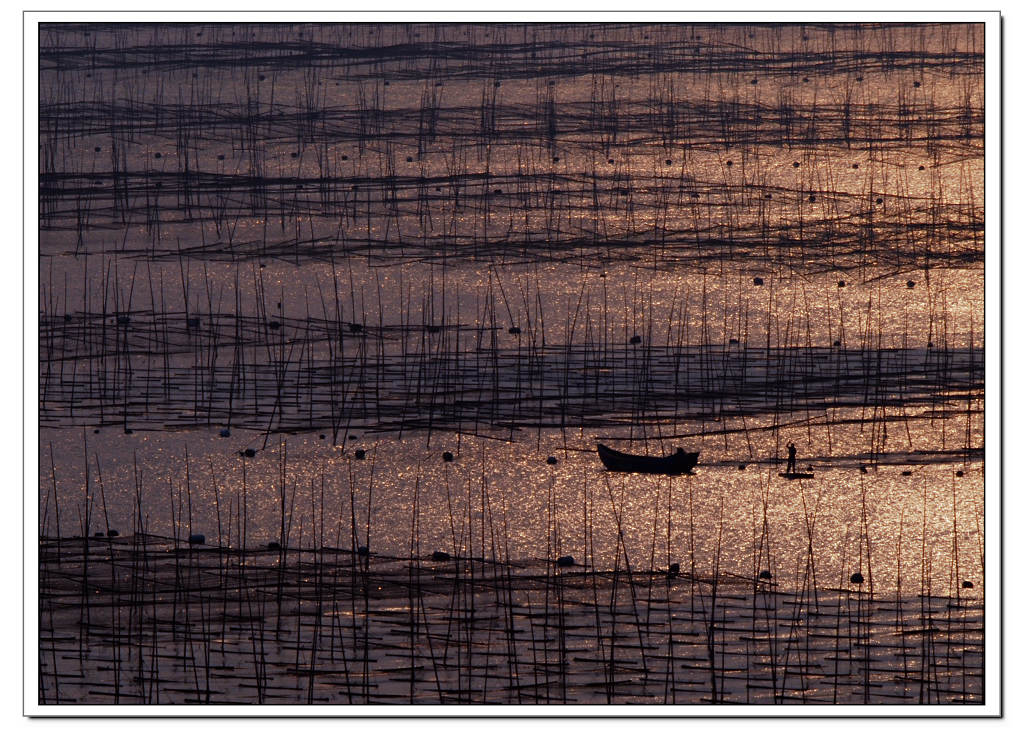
1001	424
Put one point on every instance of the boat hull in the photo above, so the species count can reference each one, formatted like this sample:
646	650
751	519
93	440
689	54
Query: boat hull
682	462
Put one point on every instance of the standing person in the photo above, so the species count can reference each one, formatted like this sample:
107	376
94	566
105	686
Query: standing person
791	463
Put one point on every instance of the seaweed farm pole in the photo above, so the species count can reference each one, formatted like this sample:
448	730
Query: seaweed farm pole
115	611
709	621
282	540
925	617
864	618
56	501
588	555
220	555
336	618
900	622
617	513
670	668
956	548
512	650
84	619
413	586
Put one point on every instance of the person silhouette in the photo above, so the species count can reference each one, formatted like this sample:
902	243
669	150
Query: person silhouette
791	463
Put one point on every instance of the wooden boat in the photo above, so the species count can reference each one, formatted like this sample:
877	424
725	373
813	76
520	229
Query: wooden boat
797	475
679	463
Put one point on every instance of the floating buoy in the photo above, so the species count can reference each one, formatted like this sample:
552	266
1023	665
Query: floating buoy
555	160
97	149
768	196
157	155
863	469
514	330
967	584
765	575
959	473
274	325
447	456
611	161
433	329
95	431
197	539
673	569
98	535
741	467
811	199
565	560
408	159
440	556
906	473
842	283
931	345
636	340
837	343
124	320
111	533
920	168
734	341
668	161
497	191
360	454
552	460
753	81
728	163
356	328
856	578
856	166
127	431
323	436
249	453
878	201
758	281
363	551
910	284
295	155
860	79
192	322
344	157
263	78
806	79
220	157
225	433
796	164
916	83
352	437
273	546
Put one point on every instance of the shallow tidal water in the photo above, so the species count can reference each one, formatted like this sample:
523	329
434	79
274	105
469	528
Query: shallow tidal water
351	249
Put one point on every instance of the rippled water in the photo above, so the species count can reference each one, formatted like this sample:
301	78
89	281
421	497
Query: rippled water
512	242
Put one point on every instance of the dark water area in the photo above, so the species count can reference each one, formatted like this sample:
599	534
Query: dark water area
324	287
